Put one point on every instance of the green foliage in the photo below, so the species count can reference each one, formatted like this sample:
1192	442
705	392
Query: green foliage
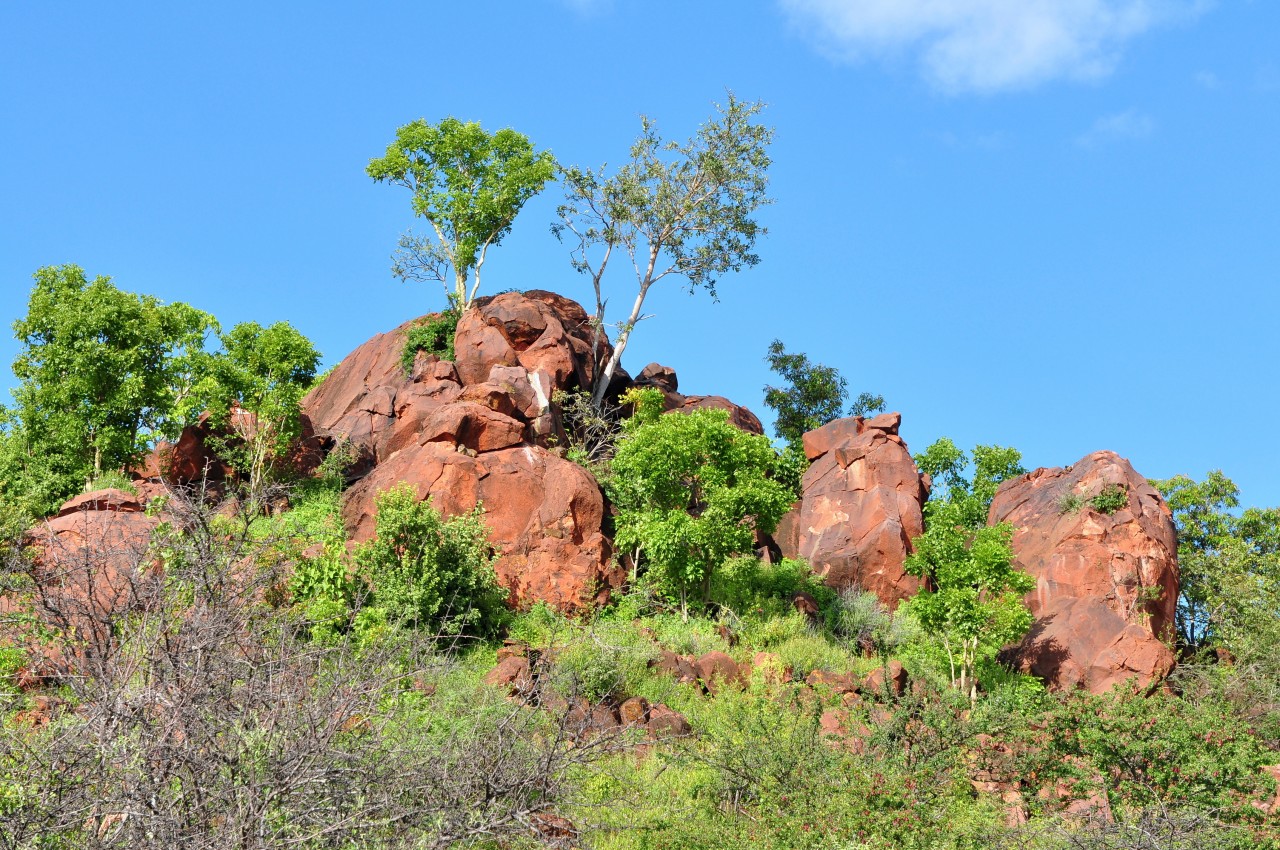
748	586
1070	503
789	468
691	492
684	210
264	371
434	335
1110	499
973	601
864	621
814	395
1228	564
429	573
1159	749
103	373
469	185
605	659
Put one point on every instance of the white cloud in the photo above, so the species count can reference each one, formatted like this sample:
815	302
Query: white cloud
1123	126
987	45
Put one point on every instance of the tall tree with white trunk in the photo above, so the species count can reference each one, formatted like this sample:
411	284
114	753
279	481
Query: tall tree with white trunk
674	209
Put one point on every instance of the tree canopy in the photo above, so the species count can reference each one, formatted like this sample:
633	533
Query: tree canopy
469	185
1228	565
674	209
692	490
103	373
973	599
263	372
813	395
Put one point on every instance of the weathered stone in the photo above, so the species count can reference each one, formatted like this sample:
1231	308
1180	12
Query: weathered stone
540	331
1106	585
862	503
667	723
657	375
474	426
716	670
634	711
739	416
545	516
513	674
92	564
892	679
678	667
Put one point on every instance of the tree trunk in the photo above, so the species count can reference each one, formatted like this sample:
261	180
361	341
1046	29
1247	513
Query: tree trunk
624	334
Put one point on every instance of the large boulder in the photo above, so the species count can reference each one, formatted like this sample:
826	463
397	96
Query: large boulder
1106	583
90	564
360	401
664	379
861	504
545	333
545	516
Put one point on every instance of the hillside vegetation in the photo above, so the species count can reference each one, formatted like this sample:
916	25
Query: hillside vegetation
480	587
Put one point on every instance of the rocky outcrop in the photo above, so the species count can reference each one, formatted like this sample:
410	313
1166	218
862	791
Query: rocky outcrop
544	333
862	502
663	379
545	515
475	431
482	430
1106	583
90	565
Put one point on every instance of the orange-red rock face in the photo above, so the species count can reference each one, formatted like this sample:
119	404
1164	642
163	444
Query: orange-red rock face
1106	585
862	504
90	566
545	516
475	432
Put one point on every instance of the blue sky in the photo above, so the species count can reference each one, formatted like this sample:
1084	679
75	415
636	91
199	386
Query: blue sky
1051	224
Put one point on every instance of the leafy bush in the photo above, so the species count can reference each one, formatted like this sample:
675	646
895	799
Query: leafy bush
692	490
1112	498
1070	503
431	573
864	621
746	585
605	659
1160	749
434	335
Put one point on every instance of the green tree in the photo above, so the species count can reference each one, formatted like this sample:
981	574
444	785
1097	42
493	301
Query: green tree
103	373
973	599
253	387
814	394
684	210
469	185
430	573
692	490
1228	563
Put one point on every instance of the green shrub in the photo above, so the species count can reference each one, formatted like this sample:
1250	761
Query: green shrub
434	334
1112	498
1070	503
747	585
431	573
1160	749
606	659
805	653
112	480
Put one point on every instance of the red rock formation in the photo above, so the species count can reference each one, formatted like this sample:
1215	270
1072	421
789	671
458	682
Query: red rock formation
545	515
1106	585
90	565
862	503
739	416
543	332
